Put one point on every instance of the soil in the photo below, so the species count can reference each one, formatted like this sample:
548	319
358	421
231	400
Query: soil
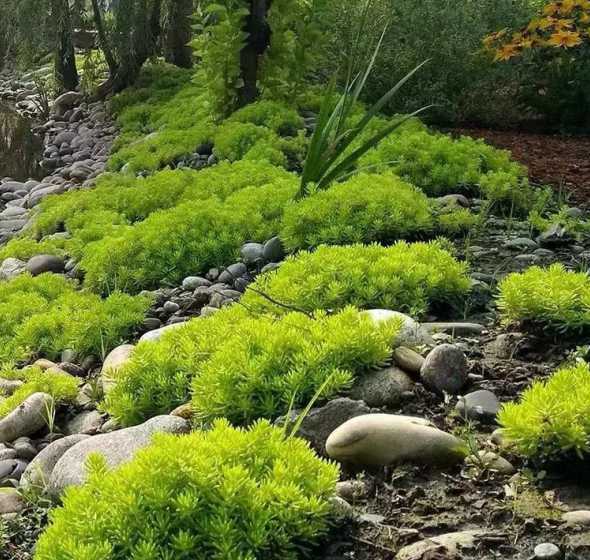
558	160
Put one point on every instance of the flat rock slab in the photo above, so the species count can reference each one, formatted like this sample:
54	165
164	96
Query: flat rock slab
116	448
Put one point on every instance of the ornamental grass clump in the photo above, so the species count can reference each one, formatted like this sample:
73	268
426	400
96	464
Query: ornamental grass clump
555	300
244	367
551	421
221	494
363	209
410	278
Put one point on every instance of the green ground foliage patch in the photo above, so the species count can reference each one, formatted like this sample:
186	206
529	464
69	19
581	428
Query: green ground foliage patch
405	277
551	421
217	494
245	367
554	299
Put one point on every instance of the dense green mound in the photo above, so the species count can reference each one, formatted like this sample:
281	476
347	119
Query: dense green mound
47	314
554	299
245	367
405	277
225	493
552	420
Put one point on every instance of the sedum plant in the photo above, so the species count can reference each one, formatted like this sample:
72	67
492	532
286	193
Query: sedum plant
366	208
405	277
211	495
60	385
553	299
551	421
245	367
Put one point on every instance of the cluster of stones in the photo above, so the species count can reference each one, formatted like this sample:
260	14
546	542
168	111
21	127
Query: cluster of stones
22	92
77	139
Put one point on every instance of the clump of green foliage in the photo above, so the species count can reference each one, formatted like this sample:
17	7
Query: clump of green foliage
571	224
278	117
554	299
456	221
60	385
217	494
441	165
47	314
366	208
552	420
405	277
244	367
187	239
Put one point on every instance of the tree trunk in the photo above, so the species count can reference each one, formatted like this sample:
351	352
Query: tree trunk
257	42
66	73
179	33
103	38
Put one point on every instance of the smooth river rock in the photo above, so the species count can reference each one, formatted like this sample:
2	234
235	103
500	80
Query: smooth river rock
445	369
411	333
448	545
386	439
116	448
113	363
384	387
26	419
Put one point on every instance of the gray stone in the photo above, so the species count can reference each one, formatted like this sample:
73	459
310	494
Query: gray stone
64	137
38	472
116	447
388	439
491	461
455	329
9	386
521	243
11	268
10	501
383	388
504	346
171	307
113	363
191	283
273	251
66	101
45	263
408	360
411	333
155	335
445	369
547	551
321	422
480	405
351	490
28	418
453	200
555	236
580	517
251	253
7	453
24	449
87	422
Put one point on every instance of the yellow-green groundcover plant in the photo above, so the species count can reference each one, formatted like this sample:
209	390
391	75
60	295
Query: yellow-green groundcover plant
223	494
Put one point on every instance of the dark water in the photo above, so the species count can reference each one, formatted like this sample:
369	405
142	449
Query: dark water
20	149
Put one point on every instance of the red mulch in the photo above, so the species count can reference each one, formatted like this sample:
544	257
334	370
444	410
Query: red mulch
561	161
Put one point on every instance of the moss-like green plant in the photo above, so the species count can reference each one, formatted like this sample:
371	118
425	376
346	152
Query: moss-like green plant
225	493
457	221
366	208
440	165
61	386
246	367
280	118
552	420
46	314
405	277
554	299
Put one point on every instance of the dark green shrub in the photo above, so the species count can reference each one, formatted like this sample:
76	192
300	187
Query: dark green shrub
366	208
245	367
46	314
277	116
225	493
553	299
404	277
61	386
551	422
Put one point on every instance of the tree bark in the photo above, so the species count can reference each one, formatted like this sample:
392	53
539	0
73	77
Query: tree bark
103	38
179	33
258	41
66	72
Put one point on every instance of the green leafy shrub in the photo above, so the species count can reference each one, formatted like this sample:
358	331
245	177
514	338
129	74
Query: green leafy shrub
457	221
404	277
441	165
366	208
244	367
61	386
280	118
187	239
233	140
46	314
224	493
572	225
553	299
552	420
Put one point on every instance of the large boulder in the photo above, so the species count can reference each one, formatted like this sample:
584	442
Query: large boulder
445	369
157	334
411	332
38	472
66	101
385	387
387	439
11	268
27	418
116	447
45	263
113	363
